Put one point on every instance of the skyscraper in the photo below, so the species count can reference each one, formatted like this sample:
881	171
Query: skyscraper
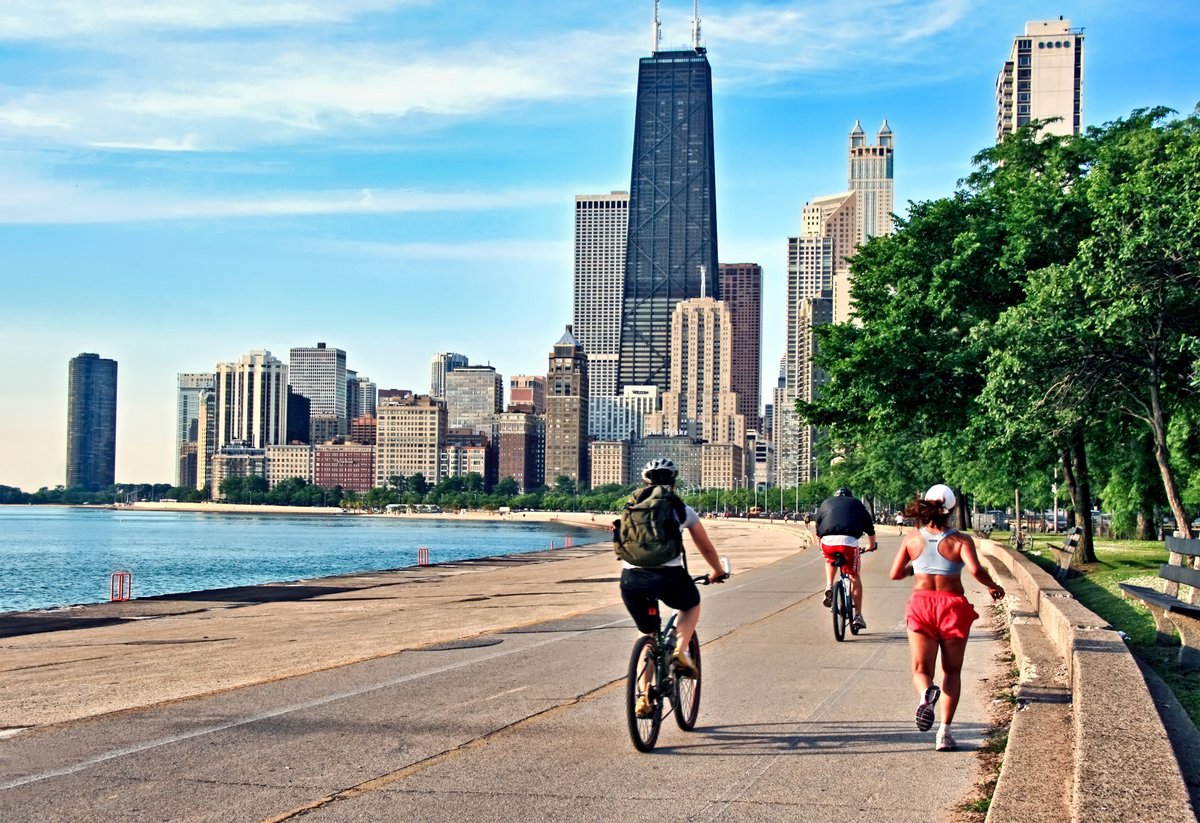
871	179
251	403
189	387
567	413
410	437
601	233
672	241
1042	78
439	366
91	422
741	291
700	402
474	395
319	374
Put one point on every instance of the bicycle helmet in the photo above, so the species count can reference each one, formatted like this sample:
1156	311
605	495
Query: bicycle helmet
658	467
844	491
941	493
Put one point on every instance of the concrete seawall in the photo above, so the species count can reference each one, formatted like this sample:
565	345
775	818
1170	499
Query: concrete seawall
1121	765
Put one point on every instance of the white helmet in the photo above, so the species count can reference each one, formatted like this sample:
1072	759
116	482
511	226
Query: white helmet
660	464
941	493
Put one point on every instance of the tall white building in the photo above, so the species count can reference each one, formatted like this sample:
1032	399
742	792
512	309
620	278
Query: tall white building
601	229
251	401
319	373
872	181
1042	79
700	402
361	395
623	417
189	387
441	365
410	438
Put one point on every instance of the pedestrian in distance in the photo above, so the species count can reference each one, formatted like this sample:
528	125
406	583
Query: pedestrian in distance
843	520
648	538
938	616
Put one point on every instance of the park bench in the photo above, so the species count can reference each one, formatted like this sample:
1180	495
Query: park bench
1063	554
1171	613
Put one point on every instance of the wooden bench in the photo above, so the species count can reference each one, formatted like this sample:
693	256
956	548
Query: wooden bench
1064	554
1171	613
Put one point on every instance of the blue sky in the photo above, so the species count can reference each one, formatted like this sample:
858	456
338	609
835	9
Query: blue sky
182	182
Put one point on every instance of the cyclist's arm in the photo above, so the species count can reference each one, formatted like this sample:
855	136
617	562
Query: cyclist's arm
707	550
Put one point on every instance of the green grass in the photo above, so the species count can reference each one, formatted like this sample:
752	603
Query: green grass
1095	586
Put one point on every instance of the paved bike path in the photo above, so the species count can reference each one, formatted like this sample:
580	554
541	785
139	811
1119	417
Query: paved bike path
792	726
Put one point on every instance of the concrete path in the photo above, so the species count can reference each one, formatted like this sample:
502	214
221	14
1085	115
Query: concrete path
525	718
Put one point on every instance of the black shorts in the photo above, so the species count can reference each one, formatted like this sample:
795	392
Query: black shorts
642	589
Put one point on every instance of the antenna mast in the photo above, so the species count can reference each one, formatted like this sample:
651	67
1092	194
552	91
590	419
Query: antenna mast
696	24
656	32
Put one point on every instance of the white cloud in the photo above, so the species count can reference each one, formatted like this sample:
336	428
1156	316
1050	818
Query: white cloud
59	19
25	200
497	251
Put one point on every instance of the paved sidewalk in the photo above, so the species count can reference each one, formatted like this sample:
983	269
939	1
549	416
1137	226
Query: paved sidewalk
65	665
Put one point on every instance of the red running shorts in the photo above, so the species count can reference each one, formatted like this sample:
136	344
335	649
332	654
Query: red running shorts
940	615
851	553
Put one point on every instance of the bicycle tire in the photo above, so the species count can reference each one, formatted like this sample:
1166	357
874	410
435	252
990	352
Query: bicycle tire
685	696
643	731
841	612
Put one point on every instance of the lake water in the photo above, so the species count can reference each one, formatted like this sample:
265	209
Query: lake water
56	556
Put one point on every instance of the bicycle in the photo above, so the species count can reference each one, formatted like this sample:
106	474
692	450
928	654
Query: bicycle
651	674
842	602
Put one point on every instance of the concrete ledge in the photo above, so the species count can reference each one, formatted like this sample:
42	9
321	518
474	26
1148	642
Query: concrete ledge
1124	766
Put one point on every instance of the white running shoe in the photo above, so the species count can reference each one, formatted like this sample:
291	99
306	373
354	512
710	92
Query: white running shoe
945	742
924	716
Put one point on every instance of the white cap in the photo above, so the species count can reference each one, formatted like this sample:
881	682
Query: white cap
943	494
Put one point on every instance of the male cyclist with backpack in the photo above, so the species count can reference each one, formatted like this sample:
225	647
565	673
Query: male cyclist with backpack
841	522
648	538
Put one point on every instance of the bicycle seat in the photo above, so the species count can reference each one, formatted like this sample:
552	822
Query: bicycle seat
839	559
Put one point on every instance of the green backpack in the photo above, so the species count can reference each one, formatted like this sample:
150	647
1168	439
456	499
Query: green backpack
648	533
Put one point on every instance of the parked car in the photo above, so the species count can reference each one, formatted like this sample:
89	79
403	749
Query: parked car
992	519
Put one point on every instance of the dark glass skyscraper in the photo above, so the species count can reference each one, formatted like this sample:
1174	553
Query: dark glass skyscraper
672	239
91	422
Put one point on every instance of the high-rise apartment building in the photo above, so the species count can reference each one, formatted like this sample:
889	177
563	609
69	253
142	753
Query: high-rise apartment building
672	241
409	438
189	388
521	441
741	291
251	401
601	232
794	440
624	417
474	395
1042	79
319	373
567	413
439	366
361	396
700	403
350	466
819	259
91	422
872	179
527	392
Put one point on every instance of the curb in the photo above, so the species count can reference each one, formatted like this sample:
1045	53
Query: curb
1123	766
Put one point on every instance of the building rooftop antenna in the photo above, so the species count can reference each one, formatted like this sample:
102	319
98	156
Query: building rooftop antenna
695	24
656	31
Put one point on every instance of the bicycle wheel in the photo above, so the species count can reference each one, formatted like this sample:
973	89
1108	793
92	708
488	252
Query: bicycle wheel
685	697
841	612
643	679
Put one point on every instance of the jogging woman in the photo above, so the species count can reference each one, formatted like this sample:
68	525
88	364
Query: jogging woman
939	616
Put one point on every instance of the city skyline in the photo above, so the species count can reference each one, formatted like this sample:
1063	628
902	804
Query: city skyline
183	186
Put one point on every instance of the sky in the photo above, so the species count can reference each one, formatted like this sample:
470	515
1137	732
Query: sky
184	181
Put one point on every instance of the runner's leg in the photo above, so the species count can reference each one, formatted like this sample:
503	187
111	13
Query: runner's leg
953	651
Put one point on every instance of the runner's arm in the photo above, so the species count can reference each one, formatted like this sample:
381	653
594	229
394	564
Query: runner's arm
902	565
971	560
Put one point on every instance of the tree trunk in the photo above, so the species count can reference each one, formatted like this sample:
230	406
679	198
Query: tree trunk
1078	474
1145	525
1158	426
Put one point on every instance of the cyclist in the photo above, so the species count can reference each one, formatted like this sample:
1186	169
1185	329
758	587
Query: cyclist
939	616
642	587
842	520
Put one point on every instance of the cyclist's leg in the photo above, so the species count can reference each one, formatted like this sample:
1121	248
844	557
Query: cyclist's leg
853	565
680	593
